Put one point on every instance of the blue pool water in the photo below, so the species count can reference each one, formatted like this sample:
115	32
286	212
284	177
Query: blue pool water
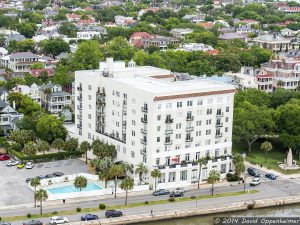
72	188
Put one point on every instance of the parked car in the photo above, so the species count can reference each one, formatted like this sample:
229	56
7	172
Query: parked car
12	163
176	194
255	182
58	220
5	223
253	172
49	176
57	174
20	165
28	180
4	157
161	192
271	176
87	217
41	177
33	222
29	165
181	190
113	213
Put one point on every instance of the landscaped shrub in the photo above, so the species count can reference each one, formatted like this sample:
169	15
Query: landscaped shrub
54	212
15	146
28	215
193	197
171	199
232	177
102	206
78	209
146	202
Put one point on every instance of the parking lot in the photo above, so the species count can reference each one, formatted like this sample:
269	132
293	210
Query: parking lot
14	190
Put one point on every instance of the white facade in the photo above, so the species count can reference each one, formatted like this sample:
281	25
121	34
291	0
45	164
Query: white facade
153	118
87	35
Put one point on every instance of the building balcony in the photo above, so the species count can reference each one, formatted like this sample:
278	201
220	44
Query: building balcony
219	135
190	118
144	131
143	151
144	120
79	117
189	129
79	126
144	142
219	124
169	131
79	98
189	139
144	110
170	142
79	107
79	88
220	114
101	102
169	120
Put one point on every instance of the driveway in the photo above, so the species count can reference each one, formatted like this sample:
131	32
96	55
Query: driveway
14	190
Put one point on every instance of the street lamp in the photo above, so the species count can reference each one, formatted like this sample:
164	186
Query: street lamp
245	177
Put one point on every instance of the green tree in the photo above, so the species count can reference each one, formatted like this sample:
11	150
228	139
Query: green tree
48	128
141	169
55	46
155	174
116	171
35	182
84	148
41	195
214	176
27	29
13	82
21	46
201	162
22	136
87	56
37	65
43	146
68	29
103	166
47	92
71	145
30	148
266	147
80	182
61	76
58	143
29	80
126	185
119	48
238	162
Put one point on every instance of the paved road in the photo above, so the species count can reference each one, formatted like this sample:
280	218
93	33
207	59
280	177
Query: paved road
268	189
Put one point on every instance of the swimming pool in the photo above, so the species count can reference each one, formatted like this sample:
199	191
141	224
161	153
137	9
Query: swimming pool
72	188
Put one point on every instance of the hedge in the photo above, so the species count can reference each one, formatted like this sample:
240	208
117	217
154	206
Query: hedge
46	157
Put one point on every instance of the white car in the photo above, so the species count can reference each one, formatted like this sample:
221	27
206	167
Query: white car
58	220
29	165
255	182
12	163
181	190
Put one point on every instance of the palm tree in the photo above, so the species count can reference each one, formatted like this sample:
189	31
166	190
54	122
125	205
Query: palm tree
116	171
43	146
267	147
58	143
201	162
155	174
35	182
47	92
127	184
141	169
85	147
80	182
97	148
127	167
30	148
238	162
41	196
213	177
103	166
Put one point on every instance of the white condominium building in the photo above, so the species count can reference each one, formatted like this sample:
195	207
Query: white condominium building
153	116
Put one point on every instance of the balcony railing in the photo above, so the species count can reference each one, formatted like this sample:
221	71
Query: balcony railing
79	107
220	114
144	120
190	118
144	131
188	129
189	139
144	109
219	135
79	117
169	120
170	142
219	124
144	142
79	88
169	131
143	152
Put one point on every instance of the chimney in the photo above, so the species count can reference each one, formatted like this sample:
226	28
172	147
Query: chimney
110	65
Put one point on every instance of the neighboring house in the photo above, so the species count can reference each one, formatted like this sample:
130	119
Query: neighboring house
13	37
62	55
89	28
72	17
286	32
143	11
3	51
87	35
39	72
8	117
265	82
136	38
67	115
190	47
181	32
232	36
244	29
194	18
3	94
123	20
276	43
159	41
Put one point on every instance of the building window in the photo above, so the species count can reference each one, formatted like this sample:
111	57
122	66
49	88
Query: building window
217	153
133	112
200	102
227	109
158	139
225	151
189	103
208	132
132	154
178	136
218	132
158	128
133	133
197	155
226	119
198	133
118	94
187	157
89	136
198	123
133	122
209	111
172	176
169	105
90	87
209	101
159	106
134	101
223	168
90	106
208	122
183	175
90	97
157	161
178	125
167	161
226	129
158	117
179	104
89	116
124	150
89	125
207	142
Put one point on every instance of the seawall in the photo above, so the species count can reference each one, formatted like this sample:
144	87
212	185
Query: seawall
173	214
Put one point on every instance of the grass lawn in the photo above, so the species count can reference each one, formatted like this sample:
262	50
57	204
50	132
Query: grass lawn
131	205
257	156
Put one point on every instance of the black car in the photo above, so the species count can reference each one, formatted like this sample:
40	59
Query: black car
49	176
87	217
33	222
161	192
253	172
113	213
58	174
176	194
271	176
41	177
